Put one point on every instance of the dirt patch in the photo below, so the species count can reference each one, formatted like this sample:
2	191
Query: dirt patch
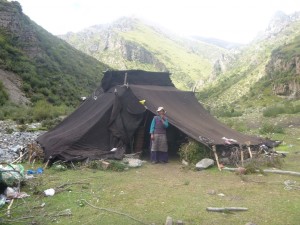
13	84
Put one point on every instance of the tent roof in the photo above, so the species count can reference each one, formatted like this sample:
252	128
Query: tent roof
188	115
136	77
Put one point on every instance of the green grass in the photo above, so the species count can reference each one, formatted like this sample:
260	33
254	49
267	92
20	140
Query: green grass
153	192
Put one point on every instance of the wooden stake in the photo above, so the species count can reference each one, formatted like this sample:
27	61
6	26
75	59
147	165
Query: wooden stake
9	206
47	162
216	156
21	156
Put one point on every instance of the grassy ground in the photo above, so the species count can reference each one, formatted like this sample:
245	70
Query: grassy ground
149	194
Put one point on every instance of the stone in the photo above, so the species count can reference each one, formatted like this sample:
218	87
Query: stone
204	163
11	144
133	162
250	223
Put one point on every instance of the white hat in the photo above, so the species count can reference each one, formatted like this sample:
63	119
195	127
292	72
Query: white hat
160	108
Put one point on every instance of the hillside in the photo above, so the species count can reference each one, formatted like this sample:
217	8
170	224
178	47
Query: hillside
247	83
45	66
130	43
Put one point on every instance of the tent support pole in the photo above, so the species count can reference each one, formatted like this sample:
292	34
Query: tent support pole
248	143
216	156
242	155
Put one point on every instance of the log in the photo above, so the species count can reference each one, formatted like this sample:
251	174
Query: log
216	156
226	209
282	172
269	171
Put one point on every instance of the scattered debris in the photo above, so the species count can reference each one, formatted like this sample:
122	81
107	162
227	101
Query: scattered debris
290	185
11	175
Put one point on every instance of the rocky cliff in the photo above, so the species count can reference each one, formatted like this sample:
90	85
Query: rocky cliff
19	27
105	43
284	70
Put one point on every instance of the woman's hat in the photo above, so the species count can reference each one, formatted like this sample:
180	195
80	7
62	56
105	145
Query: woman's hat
160	108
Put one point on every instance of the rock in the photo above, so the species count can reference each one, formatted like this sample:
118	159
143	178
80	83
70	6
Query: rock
14	141
204	163
250	223
133	162
211	192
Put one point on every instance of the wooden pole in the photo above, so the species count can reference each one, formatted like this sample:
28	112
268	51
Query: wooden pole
9	206
216	156
47	162
269	171
248	143
226	209
242	155
250	153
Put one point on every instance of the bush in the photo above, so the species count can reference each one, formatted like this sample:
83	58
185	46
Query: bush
288	108
44	110
193	152
268	128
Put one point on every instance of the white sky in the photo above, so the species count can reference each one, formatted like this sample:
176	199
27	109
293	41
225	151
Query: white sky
231	20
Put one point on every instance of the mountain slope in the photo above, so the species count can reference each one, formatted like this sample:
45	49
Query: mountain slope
47	66
246	81
132	44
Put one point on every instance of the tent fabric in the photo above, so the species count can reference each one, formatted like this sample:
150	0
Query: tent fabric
109	118
188	115
96	127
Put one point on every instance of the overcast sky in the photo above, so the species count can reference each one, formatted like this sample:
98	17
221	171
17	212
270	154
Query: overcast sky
231	20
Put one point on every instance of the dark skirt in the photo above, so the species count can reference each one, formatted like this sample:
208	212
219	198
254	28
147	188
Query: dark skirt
157	156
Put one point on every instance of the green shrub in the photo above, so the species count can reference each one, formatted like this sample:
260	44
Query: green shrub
268	128
193	152
273	111
44	110
287	108
116	166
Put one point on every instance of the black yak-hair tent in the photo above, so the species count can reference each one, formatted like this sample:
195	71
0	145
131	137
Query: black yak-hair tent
107	121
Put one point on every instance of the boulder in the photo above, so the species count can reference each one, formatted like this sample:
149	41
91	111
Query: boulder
204	163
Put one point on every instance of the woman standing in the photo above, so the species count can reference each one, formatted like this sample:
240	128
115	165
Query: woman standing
159	145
